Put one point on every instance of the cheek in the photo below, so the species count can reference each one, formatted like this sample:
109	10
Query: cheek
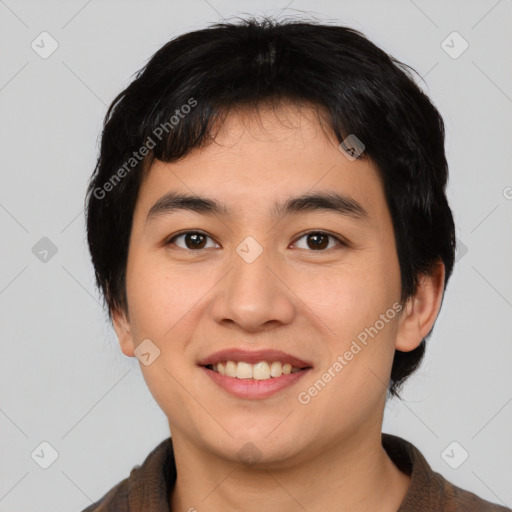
162	302
361	324
348	299
161	296
355	305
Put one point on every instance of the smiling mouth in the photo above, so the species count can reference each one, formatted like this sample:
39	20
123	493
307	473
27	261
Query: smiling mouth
262	370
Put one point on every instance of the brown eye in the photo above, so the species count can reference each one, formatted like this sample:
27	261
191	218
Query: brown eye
318	241
193	240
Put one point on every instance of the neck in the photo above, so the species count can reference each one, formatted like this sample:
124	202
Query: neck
355	474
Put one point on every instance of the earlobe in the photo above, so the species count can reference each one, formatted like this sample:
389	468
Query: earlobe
124	333
421	310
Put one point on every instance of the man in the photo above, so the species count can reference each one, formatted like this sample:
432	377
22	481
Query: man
269	227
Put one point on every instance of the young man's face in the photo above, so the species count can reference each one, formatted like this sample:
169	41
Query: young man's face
308	296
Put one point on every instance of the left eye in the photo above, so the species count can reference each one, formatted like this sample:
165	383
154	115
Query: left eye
315	240
318	240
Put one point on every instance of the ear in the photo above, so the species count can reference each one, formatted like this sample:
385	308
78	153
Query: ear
123	330
421	310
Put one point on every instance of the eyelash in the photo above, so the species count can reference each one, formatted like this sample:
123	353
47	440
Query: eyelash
340	241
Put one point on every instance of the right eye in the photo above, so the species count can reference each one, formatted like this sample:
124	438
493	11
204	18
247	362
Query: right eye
192	240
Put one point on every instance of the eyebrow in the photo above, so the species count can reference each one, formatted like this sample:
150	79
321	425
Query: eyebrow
327	201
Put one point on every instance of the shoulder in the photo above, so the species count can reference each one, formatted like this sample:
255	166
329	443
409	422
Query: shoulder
115	499
150	480
429	490
455	499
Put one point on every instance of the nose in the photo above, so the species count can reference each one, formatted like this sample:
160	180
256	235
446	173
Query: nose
254	296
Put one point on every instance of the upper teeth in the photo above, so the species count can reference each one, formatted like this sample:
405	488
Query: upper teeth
258	371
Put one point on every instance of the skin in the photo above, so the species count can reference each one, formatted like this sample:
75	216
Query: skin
312	303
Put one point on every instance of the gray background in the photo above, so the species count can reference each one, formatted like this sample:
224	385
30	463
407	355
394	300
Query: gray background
63	379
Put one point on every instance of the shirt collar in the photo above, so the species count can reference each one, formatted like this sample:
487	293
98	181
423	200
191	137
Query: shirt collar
150	485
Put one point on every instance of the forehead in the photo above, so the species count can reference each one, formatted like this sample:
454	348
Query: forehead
260	157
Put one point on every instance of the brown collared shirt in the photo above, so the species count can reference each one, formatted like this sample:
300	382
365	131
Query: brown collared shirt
149	486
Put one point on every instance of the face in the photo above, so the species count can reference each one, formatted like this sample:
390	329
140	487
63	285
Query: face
319	281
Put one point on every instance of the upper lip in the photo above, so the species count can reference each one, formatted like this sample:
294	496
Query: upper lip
253	357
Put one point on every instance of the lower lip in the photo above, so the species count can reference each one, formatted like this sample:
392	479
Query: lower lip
252	388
